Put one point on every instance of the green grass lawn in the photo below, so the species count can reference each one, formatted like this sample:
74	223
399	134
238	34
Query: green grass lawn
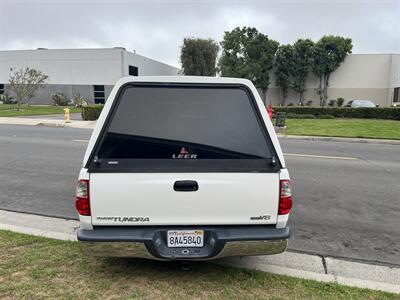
355	128
38	268
7	110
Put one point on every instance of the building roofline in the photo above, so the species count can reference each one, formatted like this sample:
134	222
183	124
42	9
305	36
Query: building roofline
64	49
152	59
386	53
121	49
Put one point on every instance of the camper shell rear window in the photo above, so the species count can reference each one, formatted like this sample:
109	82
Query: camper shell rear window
183	127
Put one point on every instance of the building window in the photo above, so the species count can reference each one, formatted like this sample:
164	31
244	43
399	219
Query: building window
1	88
396	95
133	71
99	95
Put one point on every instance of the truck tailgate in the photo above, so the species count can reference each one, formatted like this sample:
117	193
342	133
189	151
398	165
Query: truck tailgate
150	199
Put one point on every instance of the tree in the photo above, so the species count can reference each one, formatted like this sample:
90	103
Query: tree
329	52
199	57
301	65
25	82
283	65
247	53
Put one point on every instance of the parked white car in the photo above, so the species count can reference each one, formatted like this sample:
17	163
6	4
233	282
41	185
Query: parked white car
183	168
361	103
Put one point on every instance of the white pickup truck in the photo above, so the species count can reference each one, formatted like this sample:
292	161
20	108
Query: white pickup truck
183	168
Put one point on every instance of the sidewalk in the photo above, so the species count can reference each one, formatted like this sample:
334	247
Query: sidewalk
60	117
339	139
301	265
51	121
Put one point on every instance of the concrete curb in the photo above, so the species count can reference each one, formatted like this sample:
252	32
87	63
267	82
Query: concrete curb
323	269
307	266
61	229
339	139
51	124
46	122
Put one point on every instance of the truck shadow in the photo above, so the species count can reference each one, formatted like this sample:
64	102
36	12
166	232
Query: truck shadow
118	264
156	274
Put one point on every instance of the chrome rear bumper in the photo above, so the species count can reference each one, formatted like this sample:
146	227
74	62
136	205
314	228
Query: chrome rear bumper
139	250
148	242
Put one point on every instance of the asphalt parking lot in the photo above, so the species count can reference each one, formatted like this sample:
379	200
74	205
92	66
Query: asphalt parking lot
346	195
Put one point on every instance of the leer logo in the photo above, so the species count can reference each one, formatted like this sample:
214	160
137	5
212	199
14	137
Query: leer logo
184	154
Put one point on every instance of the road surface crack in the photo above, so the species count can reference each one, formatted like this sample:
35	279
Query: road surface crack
324	264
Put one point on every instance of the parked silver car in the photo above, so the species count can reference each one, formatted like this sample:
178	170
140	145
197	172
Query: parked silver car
361	103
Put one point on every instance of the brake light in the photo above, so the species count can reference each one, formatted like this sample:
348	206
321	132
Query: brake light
82	202
285	197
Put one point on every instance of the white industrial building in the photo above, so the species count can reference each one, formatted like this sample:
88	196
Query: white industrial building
91	73
374	77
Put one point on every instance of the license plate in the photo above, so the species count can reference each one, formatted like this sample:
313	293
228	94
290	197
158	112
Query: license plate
185	238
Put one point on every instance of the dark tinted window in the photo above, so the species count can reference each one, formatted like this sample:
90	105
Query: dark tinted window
180	122
98	88
133	71
396	95
99	95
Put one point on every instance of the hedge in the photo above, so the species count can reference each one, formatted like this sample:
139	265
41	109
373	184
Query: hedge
308	116
388	113
91	112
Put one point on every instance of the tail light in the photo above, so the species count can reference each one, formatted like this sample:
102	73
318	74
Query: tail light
82	202
285	197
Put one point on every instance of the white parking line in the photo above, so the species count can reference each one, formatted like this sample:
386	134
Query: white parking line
321	156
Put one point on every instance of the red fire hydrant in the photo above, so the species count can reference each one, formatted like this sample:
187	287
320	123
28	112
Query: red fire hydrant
270	110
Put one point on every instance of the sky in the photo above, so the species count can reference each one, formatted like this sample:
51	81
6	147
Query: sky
156	28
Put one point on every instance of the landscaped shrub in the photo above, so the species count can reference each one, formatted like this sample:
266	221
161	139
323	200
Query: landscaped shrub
7	99
389	113
307	116
325	117
340	101
60	99
91	112
309	103
79	101
331	103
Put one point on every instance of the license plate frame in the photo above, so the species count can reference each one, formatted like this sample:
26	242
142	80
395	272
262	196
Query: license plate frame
185	238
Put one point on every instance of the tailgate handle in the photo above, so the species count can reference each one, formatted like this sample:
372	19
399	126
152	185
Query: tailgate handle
186	186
